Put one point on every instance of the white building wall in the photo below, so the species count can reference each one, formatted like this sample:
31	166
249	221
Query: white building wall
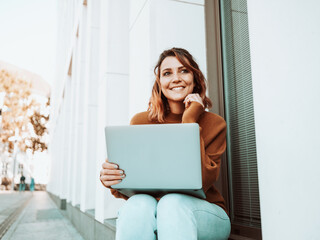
123	42
113	55
285	59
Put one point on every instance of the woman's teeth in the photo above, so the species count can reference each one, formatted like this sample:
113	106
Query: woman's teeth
177	88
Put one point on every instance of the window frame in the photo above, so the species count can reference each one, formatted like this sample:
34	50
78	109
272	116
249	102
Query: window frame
216	94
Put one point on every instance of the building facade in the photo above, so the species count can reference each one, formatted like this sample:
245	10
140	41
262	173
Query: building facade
260	60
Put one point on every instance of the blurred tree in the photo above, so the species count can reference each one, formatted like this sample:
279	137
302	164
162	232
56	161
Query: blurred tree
39	121
25	119
17	102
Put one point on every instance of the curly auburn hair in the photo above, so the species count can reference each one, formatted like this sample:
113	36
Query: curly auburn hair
158	104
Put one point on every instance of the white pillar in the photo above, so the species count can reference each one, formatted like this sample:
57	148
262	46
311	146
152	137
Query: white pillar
67	133
72	133
82	175
90	107
79	109
56	175
63	141
100	87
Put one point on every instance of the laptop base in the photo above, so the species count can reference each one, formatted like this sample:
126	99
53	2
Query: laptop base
159	193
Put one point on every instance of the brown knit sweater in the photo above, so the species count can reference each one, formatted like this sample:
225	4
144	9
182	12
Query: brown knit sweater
212	143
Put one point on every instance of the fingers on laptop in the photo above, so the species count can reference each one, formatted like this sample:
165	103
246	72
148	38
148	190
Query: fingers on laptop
110	183
111	177
111	172
108	165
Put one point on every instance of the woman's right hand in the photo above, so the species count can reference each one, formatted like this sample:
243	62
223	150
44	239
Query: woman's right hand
110	174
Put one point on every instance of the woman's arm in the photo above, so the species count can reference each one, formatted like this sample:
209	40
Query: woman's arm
211	154
212	143
117	194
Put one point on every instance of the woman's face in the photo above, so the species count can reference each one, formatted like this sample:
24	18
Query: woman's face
175	79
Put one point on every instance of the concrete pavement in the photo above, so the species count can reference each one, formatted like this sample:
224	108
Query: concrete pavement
9	202
33	216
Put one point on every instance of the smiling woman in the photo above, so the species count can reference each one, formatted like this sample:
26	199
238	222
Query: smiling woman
176	83
176	68
178	96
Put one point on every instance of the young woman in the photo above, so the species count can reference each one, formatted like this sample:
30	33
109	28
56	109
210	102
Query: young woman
178	96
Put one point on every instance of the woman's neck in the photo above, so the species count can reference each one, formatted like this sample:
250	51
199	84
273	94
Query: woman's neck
176	107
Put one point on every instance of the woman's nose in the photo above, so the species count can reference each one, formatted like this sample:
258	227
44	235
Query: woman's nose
176	77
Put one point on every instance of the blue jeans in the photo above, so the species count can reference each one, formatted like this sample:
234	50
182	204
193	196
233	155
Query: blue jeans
22	187
175	216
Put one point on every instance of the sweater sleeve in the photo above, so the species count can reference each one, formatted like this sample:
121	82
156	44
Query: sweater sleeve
192	113
117	194
211	154
212	145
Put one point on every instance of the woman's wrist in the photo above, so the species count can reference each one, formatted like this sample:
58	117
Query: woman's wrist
192	113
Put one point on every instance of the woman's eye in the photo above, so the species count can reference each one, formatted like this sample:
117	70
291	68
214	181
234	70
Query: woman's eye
166	73
184	70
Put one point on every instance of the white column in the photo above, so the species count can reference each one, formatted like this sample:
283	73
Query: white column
78	122
76	137
72	177
56	175
90	107
82	175
67	133
72	133
53	149
79	110
101	93
63	110
65	160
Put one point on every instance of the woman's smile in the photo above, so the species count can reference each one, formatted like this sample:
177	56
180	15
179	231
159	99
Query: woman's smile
177	88
176	80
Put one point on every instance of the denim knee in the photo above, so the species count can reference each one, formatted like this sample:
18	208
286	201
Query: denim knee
137	218
174	205
173	201
139	204
142	200
173	217
182	217
170	199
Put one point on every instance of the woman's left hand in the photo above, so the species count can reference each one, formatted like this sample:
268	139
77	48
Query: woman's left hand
193	97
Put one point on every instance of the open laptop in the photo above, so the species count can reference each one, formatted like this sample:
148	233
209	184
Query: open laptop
157	158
